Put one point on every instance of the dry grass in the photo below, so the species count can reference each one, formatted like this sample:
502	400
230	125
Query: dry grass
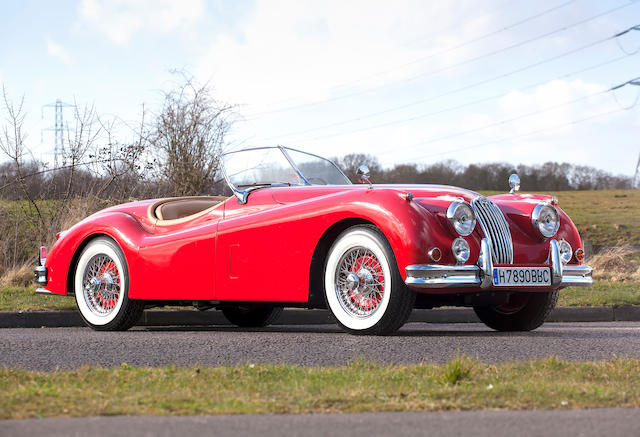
615	264
21	276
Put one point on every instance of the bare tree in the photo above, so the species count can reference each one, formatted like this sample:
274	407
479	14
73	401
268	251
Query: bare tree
351	162
187	136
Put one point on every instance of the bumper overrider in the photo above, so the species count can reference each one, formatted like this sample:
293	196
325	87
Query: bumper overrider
41	273
481	274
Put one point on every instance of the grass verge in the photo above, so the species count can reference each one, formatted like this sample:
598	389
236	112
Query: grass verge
462	384
603	293
26	299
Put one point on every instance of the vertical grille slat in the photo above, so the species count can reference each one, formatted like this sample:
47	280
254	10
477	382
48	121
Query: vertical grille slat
495	229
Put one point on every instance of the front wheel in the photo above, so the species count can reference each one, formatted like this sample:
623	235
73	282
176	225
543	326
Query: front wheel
101	286
523	312
363	287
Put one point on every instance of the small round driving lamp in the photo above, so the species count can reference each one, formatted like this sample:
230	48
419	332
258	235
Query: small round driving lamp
579	254
566	252
460	249
462	218
545	219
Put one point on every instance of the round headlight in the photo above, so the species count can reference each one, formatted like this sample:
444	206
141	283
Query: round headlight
545	219
566	252
461	217
460	249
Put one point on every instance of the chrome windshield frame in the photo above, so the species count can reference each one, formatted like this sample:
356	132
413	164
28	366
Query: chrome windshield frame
243	194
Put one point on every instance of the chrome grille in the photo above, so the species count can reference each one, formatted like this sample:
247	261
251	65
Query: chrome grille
495	229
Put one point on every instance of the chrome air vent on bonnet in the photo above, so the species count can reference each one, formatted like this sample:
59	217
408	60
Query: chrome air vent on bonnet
495	228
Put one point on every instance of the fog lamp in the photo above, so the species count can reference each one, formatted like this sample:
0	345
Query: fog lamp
460	249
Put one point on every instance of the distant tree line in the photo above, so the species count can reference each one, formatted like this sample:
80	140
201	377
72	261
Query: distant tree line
550	176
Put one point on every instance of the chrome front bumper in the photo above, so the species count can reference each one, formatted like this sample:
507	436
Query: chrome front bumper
480	275
41	275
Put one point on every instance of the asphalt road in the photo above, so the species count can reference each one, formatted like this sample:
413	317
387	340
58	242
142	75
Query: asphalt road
63	348
586	423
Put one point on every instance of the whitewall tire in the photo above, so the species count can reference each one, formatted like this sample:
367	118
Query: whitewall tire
101	286
363	287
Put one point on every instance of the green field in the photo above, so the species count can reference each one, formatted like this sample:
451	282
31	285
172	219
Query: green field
462	384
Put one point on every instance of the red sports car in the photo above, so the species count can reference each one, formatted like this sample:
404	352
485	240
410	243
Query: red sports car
297	233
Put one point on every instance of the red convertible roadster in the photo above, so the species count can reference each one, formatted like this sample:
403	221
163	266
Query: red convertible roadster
297	233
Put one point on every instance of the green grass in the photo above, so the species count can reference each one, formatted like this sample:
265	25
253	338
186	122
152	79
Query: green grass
603	293
462	384
25	299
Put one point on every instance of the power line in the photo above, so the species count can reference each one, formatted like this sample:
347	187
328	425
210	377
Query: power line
531	133
440	111
449	67
527	115
452	48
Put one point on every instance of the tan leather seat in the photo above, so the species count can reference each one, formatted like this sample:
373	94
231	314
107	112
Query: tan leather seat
183	208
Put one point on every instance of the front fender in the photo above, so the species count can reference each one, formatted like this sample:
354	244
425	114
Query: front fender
124	228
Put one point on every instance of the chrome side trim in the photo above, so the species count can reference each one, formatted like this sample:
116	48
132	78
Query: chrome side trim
45	291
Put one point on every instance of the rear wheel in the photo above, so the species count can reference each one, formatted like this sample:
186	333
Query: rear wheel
101	286
523	312
252	317
363	287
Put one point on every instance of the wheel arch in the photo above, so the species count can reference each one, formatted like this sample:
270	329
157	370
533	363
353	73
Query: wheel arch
318	259
76	256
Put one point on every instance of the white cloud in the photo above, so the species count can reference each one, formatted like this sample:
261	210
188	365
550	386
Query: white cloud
589	98
302	49
57	51
119	20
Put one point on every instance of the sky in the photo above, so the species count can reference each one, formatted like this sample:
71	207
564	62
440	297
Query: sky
408	81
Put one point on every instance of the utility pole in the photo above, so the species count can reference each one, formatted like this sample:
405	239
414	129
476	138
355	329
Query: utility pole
58	128
636	177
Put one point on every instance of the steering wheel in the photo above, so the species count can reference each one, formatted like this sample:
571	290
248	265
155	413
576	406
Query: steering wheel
320	181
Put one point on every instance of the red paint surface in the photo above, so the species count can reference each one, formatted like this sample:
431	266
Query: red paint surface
261	251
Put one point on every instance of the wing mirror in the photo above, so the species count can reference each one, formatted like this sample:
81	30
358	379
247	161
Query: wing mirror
514	183
364	174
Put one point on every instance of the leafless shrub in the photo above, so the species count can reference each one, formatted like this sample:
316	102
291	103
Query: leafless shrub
188	134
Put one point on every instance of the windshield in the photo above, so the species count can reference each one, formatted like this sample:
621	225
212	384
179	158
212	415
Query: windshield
248	169
279	166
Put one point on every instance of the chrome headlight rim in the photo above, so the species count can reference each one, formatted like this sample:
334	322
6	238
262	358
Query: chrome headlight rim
537	219
462	230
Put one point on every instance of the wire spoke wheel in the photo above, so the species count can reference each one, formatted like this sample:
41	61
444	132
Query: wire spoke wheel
360	283
363	287
101	284
101	287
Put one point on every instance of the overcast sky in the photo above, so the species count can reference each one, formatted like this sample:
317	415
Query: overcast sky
407	81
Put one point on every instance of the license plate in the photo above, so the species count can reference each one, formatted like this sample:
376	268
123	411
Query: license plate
521	277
